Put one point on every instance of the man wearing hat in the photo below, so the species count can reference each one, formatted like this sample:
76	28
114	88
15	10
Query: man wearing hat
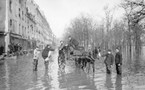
118	61
108	61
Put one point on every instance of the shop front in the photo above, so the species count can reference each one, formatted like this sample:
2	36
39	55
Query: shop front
2	43
16	39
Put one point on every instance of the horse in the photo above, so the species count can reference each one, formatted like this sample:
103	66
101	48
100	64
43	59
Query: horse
81	57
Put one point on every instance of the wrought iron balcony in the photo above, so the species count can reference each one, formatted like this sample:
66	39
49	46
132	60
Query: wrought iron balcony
30	16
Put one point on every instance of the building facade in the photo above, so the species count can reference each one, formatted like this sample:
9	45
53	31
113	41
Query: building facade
23	23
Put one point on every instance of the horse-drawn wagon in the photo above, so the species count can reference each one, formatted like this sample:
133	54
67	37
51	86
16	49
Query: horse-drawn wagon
81	57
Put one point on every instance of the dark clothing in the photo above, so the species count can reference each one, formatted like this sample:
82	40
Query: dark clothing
118	69
35	64
118	58
99	50
108	68
65	48
109	59
95	52
61	57
108	62
1	50
46	51
62	50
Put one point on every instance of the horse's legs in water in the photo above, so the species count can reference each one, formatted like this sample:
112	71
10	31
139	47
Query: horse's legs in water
93	66
76	62
88	67
84	63
63	62
79	62
58	59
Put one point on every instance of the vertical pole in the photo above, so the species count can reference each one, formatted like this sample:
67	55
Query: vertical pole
7	37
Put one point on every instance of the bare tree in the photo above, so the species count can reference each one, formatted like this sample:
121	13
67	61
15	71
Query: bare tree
108	20
80	29
135	15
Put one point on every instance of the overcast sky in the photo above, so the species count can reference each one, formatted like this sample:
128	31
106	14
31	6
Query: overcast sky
59	13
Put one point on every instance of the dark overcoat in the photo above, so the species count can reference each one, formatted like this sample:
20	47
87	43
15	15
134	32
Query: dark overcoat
118	58
109	59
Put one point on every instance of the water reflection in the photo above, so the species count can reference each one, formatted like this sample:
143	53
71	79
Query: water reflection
118	83
19	76
34	77
7	77
53	73
108	83
46	80
62	79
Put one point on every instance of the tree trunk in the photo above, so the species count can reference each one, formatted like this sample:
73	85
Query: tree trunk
137	48
130	49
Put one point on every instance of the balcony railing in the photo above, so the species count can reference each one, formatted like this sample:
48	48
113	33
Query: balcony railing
30	16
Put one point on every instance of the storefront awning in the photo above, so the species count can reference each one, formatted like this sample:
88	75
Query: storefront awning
15	35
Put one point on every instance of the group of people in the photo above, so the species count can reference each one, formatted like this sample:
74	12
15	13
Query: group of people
14	48
109	57
46	55
109	60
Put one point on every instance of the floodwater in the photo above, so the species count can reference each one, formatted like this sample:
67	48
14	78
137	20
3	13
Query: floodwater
17	74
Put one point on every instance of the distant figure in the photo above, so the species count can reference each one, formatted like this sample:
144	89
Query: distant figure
1	50
73	42
108	61
35	58
61	45
99	49
118	61
46	55
62	55
95	53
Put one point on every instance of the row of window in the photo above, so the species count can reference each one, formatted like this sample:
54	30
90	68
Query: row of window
18	12
24	31
21	13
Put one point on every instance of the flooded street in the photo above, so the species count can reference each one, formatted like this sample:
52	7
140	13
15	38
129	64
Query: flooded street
18	75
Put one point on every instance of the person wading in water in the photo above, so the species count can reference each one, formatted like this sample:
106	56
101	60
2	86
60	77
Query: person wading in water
46	54
108	61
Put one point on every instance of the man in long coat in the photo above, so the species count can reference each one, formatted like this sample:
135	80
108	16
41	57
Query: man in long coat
118	61
108	61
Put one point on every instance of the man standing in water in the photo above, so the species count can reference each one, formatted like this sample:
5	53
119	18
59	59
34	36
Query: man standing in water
46	54
35	58
118	61
108	61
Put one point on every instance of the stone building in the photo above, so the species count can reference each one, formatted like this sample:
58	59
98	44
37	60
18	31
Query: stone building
23	23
